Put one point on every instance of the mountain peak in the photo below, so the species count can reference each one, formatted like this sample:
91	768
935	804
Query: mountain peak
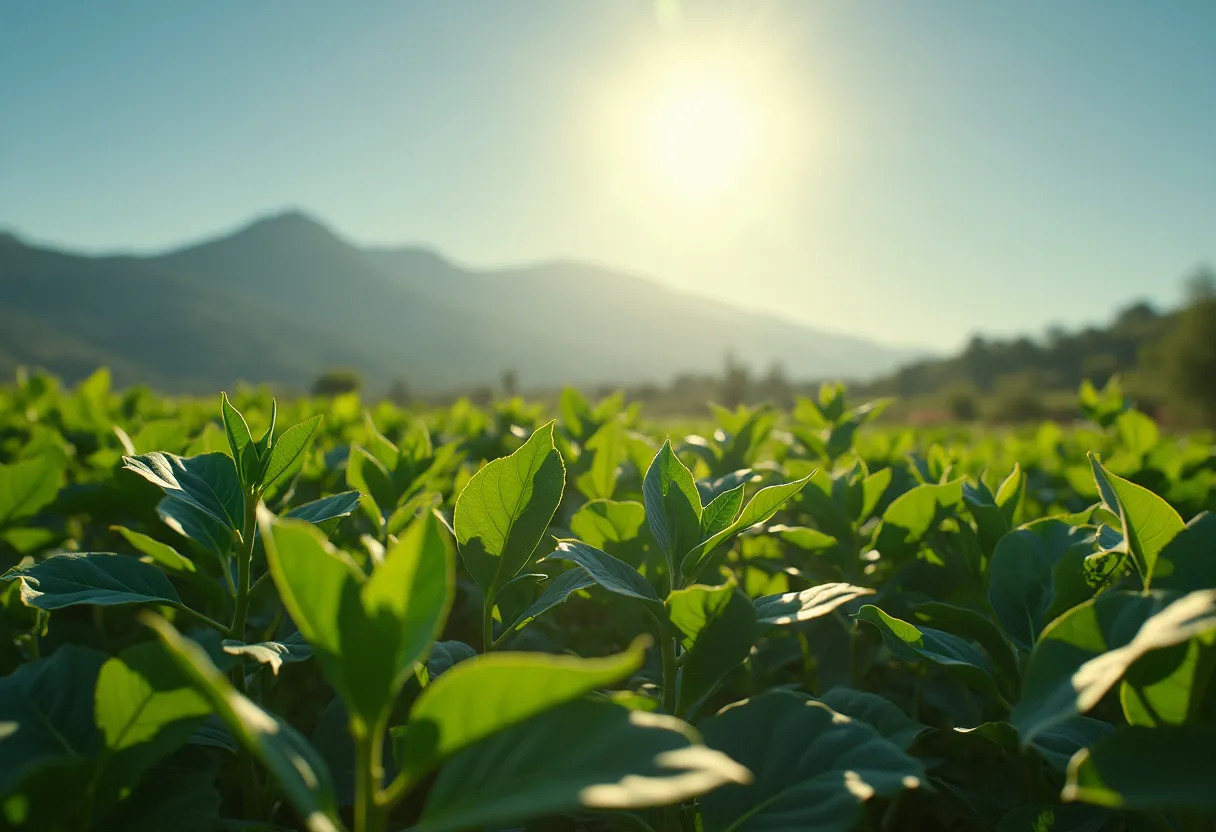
291	222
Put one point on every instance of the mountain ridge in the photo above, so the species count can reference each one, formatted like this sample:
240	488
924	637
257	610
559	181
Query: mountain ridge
283	297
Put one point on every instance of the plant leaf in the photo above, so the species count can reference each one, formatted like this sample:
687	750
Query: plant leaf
286	448
1147	769
544	766
98	578
792	607
207	482
611	573
673	505
1149	522
299	770
490	693
503	512
814	767
717	627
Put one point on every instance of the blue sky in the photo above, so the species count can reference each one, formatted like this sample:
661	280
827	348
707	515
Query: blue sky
913	172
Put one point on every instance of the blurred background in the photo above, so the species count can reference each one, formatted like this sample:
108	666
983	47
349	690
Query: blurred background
972	207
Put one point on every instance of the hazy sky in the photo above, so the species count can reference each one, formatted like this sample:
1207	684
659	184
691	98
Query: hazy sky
907	171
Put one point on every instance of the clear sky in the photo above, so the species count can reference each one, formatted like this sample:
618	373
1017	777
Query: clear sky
911	172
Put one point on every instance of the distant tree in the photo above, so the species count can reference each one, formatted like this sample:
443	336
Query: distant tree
1188	352
736	383
963	403
510	383
775	387
1018	399
335	382
399	393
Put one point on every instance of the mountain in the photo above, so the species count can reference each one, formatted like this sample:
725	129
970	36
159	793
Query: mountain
284	298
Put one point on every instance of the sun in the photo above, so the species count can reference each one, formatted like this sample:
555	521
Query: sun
699	136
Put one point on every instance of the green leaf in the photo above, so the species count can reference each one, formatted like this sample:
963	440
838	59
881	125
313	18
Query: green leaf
814	768
873	487
974	626
793	607
673	505
721	511
1147	769
210	534
601	522
878	712
327	512
287	447
244	451
367	476
912	514
1170	686
27	486
488	694
100	579
207	482
558	590
717	627
145	707
503	512
273	654
1084	653
812	540
368	634
46	713
1189	560
445	655
935	647
612	574
162	554
1149	522
1035	574
533	769
607	446
297	767
760	508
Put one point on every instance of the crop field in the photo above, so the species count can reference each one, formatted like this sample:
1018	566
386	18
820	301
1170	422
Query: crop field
224	614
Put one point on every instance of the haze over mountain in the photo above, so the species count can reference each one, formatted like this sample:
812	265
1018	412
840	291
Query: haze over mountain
285	298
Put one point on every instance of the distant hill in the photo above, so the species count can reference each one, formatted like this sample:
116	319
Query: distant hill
285	298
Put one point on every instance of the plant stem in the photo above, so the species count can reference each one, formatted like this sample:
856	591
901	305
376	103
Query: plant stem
371	813
202	619
244	559
252	791
487	624
667	654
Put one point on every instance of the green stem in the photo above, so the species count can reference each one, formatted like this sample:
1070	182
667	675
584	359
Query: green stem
371	813
252	792
487	624
667	654
244	560
202	619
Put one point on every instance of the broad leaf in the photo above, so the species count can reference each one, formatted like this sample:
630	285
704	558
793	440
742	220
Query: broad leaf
297	767
673	505
912	514
273	654
162	554
607	447
100	579
1035	574
879	713
612	574
716	627
1085	652
503	512
368	633
792	607
814	768
490	693
935	647
27	486
207	482
286	448
1147	769
1149	522
327	511
558	590
584	754
759	509
46	713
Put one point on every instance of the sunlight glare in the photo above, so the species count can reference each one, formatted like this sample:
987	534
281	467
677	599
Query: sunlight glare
700	136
